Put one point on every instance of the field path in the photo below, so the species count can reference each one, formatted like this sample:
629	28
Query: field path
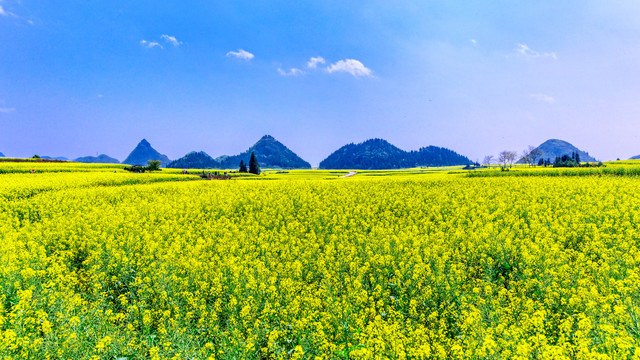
350	174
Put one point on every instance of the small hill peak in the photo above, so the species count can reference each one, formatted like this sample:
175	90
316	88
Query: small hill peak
553	148
270	154
377	141
144	152
100	159
195	160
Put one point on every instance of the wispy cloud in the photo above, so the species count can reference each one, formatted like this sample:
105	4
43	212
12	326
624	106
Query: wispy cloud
474	42
526	51
241	54
5	110
291	72
543	98
150	44
4	12
351	66
314	61
171	40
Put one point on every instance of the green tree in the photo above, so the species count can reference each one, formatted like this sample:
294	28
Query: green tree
254	167
243	166
154	165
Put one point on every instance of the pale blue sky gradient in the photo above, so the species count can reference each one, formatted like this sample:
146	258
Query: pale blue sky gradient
84	77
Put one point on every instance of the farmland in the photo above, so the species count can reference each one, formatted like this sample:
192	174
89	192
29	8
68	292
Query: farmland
416	264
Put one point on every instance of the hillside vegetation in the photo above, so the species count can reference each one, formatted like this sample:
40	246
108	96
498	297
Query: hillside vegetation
195	160
269	152
380	154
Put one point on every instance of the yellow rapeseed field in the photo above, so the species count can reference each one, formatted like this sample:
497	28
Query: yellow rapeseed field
102	265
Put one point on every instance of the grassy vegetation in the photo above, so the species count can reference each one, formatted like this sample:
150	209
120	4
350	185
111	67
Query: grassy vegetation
618	168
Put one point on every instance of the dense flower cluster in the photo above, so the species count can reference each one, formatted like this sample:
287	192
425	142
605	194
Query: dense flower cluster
20	186
401	267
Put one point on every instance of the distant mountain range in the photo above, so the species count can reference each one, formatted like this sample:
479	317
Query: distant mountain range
637	157
100	159
270	154
553	148
143	152
368	155
376	154
54	158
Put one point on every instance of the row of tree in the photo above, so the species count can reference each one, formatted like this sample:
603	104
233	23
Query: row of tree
533	156
505	158
153	165
254	167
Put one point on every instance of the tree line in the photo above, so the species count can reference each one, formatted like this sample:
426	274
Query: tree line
534	156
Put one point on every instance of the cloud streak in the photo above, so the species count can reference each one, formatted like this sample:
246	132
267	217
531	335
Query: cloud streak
7	110
525	51
291	72
350	66
4	12
314	61
150	44
171	40
241	54
543	98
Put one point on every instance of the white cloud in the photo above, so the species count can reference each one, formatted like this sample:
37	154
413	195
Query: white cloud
7	110
314	61
525	50
291	72
150	44
351	66
171	40
241	54
474	42
100	96
4	12
543	98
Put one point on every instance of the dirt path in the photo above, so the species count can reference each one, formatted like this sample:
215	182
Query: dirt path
350	174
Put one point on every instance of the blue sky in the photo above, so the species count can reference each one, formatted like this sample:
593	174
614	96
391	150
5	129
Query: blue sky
84	77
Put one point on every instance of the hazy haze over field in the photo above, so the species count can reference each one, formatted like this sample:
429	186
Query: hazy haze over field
84	77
